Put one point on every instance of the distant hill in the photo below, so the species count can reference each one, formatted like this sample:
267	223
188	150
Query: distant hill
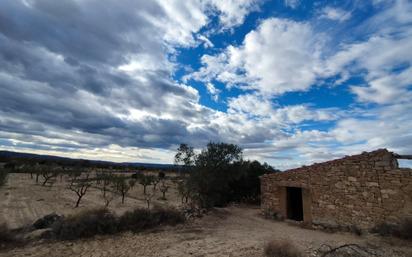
7	156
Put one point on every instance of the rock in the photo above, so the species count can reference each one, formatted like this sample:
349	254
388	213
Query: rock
47	221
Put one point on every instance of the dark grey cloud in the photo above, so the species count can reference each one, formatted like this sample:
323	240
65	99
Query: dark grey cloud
59	74
92	31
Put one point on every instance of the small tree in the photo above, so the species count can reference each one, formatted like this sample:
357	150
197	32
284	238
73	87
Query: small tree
123	186
161	175
148	197
104	180
79	186
49	174
145	180
155	181
184	190
108	197
163	188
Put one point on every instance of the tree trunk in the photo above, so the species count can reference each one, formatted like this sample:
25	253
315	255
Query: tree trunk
78	201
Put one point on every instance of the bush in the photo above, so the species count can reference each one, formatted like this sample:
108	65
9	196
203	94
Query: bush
355	230
401	230
7	237
3	177
281	248
141	219
85	224
101	222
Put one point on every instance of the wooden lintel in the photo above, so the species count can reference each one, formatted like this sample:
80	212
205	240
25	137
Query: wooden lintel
403	156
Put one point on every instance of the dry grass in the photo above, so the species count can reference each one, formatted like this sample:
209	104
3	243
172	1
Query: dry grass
281	248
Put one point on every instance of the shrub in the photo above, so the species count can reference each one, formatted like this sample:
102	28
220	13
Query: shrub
141	219
3	177
406	229
7	236
355	230
401	230
101	222
281	248
85	224
168	216
136	220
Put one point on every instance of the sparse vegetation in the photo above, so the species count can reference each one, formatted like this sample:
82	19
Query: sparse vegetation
85	224
7	237
402	230
101	222
3	177
281	248
141	219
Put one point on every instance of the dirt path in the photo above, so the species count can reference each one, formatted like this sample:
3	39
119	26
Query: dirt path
232	231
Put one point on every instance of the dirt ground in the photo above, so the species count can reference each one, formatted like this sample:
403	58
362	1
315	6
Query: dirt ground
232	231
23	201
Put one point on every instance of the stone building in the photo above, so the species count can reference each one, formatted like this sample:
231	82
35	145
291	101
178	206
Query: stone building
361	190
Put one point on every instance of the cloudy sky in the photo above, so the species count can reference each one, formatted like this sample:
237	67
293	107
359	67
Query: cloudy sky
290	81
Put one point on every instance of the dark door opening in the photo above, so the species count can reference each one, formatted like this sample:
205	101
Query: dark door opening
294	203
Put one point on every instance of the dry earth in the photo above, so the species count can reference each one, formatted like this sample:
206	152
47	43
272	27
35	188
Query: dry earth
232	231
23	201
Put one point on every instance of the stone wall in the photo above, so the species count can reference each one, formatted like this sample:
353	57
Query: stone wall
361	190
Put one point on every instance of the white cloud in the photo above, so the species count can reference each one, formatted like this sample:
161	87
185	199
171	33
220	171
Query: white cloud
233	12
206	42
283	56
390	127
292	3
279	56
386	89
213	91
335	14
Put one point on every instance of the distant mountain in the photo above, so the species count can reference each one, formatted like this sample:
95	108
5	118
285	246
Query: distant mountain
6	156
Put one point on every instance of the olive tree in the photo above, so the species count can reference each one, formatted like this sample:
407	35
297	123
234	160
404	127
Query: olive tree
214	169
123	185
145	181
163	188
80	185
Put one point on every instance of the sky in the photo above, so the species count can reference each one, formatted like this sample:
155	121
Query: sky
292	82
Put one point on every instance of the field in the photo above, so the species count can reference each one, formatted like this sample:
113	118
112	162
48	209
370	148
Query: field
236	230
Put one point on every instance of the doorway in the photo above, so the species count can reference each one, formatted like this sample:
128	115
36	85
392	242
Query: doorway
294	203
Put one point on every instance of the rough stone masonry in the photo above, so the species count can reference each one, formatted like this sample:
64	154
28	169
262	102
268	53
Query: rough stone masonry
361	190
